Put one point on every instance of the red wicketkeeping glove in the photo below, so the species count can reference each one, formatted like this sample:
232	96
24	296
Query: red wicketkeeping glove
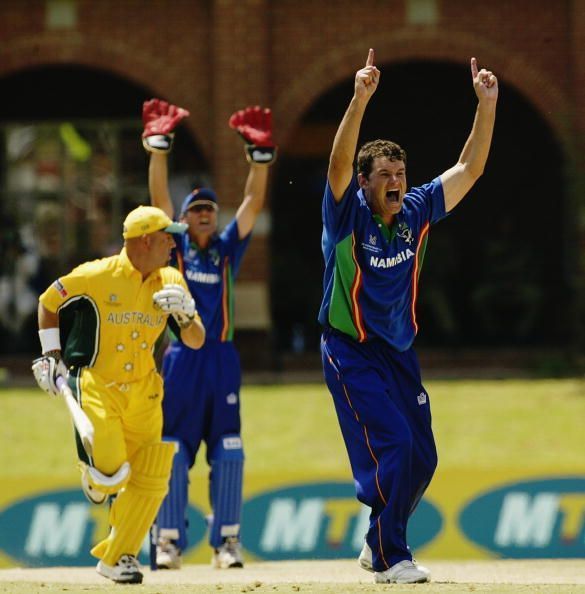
254	125
160	118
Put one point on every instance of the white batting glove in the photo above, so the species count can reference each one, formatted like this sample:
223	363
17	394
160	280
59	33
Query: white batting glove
47	369
173	299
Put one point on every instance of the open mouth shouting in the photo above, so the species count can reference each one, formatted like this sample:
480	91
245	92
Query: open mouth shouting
393	195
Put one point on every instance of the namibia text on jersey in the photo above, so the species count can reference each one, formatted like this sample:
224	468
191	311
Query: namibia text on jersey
208	278
400	257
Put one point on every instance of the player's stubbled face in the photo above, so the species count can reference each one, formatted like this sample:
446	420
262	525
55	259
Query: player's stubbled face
161	245
201	221
386	185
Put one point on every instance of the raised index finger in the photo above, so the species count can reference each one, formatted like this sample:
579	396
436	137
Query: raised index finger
474	70
370	60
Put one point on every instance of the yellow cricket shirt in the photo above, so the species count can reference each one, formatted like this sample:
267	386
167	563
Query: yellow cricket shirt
107	317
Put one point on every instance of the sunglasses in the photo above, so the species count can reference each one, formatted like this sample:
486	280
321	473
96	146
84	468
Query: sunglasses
202	208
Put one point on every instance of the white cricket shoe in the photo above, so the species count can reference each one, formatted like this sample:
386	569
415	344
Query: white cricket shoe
366	562
229	555
168	555
126	570
404	572
92	494
365	558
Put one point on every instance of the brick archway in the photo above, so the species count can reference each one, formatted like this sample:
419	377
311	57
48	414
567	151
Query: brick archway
144	69
413	44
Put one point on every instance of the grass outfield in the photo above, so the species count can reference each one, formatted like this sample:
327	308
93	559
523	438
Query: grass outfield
525	424
528	425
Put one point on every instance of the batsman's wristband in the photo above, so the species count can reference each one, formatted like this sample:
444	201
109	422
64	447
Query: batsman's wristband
261	155
50	340
158	143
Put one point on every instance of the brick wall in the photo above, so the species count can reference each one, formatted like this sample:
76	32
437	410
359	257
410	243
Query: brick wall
214	56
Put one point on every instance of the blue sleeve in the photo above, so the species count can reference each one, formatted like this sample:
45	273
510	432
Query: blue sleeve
179	239
428	201
338	217
233	245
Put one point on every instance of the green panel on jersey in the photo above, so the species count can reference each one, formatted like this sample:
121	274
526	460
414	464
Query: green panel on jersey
387	232
421	254
79	328
340	307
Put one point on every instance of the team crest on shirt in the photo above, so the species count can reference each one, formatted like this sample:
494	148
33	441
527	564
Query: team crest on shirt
214	255
404	232
113	300
373	240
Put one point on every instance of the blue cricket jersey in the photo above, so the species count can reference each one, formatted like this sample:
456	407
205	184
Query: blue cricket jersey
371	272
210	275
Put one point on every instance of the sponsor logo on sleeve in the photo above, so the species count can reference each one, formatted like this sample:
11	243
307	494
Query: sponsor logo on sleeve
60	288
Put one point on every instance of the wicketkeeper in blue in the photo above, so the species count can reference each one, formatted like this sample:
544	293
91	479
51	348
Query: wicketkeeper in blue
374	237
202	394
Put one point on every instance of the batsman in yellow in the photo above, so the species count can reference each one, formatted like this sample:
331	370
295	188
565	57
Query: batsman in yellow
98	326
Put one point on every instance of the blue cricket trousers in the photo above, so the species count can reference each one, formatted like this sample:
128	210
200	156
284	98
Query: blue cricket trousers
202	394
385	418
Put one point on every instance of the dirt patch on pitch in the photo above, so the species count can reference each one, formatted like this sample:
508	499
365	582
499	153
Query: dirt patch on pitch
306	573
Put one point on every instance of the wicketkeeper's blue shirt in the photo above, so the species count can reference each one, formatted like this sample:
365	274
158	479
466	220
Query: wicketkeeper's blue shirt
210	276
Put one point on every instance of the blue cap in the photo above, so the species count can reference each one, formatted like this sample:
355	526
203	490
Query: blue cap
199	196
